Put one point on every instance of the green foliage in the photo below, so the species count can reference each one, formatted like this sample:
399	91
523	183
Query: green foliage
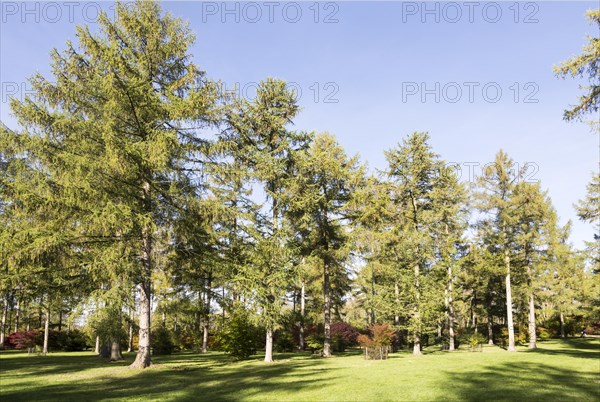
238	336
586	64
284	341
476	339
162	341
315	343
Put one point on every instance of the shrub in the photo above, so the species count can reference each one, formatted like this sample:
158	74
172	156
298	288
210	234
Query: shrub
376	345
343	335
315	342
162	344
543	333
284	341
22	339
238	336
75	340
476	339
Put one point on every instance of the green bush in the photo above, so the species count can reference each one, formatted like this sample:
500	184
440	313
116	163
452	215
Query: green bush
315	343
543	333
75	340
162	344
476	339
284	341
238	336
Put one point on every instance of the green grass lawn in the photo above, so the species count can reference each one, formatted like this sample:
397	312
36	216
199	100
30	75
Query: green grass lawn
558	370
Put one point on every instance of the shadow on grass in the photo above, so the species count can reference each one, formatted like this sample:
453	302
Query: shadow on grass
575	347
19	363
524	381
181	376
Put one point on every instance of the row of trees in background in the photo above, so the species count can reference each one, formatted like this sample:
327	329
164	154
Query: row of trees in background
137	199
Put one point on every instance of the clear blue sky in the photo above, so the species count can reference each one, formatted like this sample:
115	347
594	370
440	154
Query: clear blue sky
375	61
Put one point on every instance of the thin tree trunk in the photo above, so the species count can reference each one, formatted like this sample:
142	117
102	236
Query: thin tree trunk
562	325
417	314
372	293
397	302
46	331
302	306
490	325
509	313
97	349
17	315
269	346
532	331
206	322
115	351
223	307
326	312
3	329
59	320
130	337
451	345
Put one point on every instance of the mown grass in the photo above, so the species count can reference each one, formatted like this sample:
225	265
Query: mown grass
558	370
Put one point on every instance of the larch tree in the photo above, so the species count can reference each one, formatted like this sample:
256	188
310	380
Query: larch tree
497	224
450	206
534	215
118	127
415	176
322	187
260	129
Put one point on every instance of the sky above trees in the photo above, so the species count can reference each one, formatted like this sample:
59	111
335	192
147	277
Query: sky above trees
361	68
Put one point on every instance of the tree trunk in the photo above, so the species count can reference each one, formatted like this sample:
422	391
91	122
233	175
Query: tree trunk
490	326
451	345
17	315
46	331
509	306
59	320
206	323
417	343
3	328
97	349
417	314
397	302
142	360
269	346
326	312
130	337
372	293
562	325
115	351
302	306
40	313
532	331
